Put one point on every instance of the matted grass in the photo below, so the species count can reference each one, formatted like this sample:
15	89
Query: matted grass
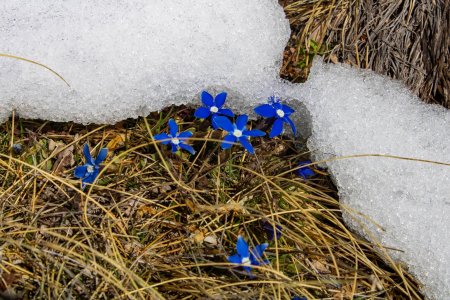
158	225
406	40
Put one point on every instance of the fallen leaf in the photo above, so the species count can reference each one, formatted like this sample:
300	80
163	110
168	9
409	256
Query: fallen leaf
320	265
117	142
377	285
64	158
211	240
198	236
334	58
146	210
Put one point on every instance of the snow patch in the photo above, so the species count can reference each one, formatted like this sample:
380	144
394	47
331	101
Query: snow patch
406	203
124	59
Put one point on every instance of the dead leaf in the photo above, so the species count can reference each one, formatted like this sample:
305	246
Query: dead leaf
320	265
334	58
197	237
377	285
64	158
346	292
211	240
146	211
51	145
117	142
232	207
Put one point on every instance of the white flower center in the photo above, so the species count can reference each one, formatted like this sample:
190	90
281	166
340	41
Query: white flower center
214	109
175	141
246	261
280	113
237	133
90	169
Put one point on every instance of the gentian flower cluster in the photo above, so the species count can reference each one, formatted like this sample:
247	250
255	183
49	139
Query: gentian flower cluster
89	171
248	257
236	132
213	106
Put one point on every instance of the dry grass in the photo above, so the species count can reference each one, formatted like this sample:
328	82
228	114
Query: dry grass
407	40
158	225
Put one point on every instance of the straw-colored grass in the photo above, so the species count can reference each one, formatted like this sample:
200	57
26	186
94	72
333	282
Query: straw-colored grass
160	226
407	40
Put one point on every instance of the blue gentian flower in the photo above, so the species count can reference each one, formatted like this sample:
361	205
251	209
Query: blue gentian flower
213	107
237	132
248	258
270	232
177	140
89	171
298	298
305	172
281	113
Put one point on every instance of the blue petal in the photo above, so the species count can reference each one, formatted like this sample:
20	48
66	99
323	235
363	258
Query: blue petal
287	109
305	162
101	156
164	137
259	250
87	154
80	171
213	122
246	144
174	148
305	172
202	113
277	128
269	228
235	259
254	261
187	148
270	234
278	232
256	255
254	132
241	122
173	127
226	112
89	179
228	141
185	134
289	121
224	123
247	269
220	99
207	99
242	247
265	110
